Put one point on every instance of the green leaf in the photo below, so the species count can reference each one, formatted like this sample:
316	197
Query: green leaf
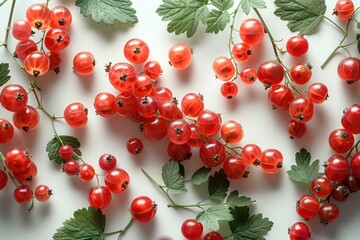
217	21
201	175
303	15
222	4
86	224
184	15
246	5
234	199
4	73
218	185
358	36
246	227
108	11
303	171
210	217
173	180
52	147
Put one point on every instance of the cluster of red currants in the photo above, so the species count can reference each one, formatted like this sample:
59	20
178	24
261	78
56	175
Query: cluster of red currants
38	60
192	229
18	165
341	176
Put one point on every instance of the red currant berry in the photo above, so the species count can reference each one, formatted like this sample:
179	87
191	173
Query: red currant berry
321	187
192	104
341	140
301	73
355	165
105	104
180	56
84	63
107	162
26	119
23	194
317	93
86	172
153	69
229	90
38	16
126	104
179	152
142	86
195	137
352	183
6	131
241	52
99	197
208	123
271	161
307	206
270	73
336	168
340	192
252	31
162	94
299	231
66	151
75	114
136	51
191	229
348	69
27	173
24	48
213	236
21	30
117	180
234	167
155	130
17	159
251	154
3	179
122	75
297	46
71	167
280	96
42	193
248	75
178	131
301	109
223	68
134	146
60	17
296	129
212	153
351	119
169	110
344	9
37	63
147	106
328	212
143	209
57	39
232	132
55	61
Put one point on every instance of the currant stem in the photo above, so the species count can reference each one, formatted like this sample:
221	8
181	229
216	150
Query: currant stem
121	231
355	147
3	2
233	149
156	184
2	159
335	24
7	31
332	54
231	43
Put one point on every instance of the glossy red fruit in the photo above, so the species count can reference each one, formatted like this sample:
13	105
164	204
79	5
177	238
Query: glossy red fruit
13	97
153	69
122	75
196	139
136	51
213	236
17	159
191	229
232	132
3	179
86	172
75	114
252	31
179	152
229	90
169	110
142	86
192	104
38	16
301	109
317	93
117	180
37	63
296	129
271	161
156	129
134	146
248	75
162	94
351	119
42	193
270	73
56	39
71	167
340	192
234	167
126	104
341	140
27	172
299	231
344	9
61	17
348	69
321	187
99	197
280	96
107	162
180	56
301	73
24	48
26	119
21	30
251	154
178	131
208	123
143	209
336	168
223	68
105	104
66	151
147	106
297	46
84	63
307	206
241	52
212	153
23	194
328	212
55	61
355	165
352	182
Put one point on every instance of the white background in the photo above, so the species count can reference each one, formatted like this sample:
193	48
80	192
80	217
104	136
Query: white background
275	195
